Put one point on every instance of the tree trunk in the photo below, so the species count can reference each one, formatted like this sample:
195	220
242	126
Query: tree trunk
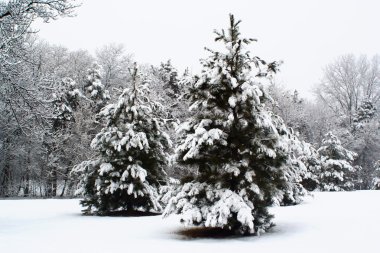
27	177
5	181
51	190
66	175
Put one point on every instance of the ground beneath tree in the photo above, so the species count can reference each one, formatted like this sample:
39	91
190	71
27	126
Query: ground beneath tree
329	222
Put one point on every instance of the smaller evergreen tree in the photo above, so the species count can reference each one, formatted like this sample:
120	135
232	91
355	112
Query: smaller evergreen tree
312	161
364	139
94	88
65	101
364	113
301	171
132	154
337	172
171	90
169	75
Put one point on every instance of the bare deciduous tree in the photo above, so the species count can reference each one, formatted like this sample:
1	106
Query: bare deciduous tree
18	90
348	81
115	63
21	102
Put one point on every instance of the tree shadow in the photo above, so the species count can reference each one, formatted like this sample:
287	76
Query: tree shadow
130	213
205	233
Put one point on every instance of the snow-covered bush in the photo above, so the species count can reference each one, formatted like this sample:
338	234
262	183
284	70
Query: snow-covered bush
305	166
337	172
242	152
312	161
132	154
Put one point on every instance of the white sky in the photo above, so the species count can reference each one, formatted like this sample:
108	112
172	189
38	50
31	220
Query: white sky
306	35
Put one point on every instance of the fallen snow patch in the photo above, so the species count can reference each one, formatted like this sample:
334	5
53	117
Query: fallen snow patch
329	222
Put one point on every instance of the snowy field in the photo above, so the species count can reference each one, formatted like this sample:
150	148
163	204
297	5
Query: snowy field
329	222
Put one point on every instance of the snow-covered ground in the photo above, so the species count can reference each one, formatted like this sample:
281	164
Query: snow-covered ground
329	222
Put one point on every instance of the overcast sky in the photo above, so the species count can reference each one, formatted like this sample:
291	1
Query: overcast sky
306	35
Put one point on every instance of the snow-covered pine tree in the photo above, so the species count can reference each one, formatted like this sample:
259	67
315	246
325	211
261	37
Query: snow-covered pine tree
364	139
241	151
132	154
65	101
311	159
170	91
298	149
337	172
364	113
94	88
169	75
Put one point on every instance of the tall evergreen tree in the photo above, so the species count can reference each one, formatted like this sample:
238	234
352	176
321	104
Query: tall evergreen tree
241	151
132	154
337	172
